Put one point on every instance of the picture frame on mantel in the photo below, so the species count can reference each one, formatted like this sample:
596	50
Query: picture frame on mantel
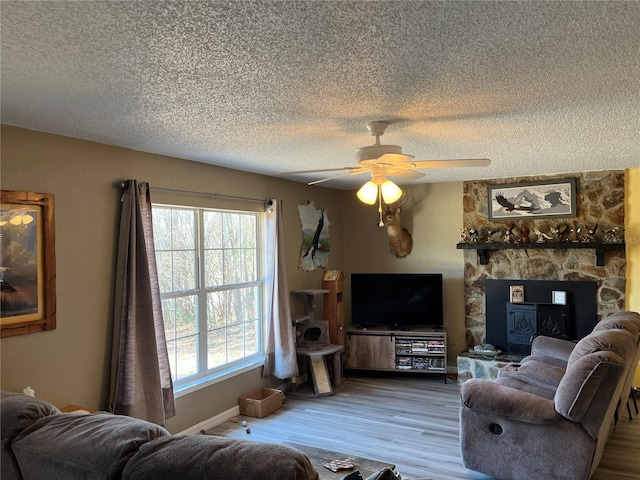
516	293
27	263
532	200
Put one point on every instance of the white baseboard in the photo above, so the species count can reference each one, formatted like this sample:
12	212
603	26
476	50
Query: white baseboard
223	417
212	422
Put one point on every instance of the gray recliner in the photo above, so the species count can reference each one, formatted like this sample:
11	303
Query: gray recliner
549	358
514	428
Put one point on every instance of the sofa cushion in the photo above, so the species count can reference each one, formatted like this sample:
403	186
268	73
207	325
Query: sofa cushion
18	411
73	446
554	361
557	350
196	457
521	384
537	373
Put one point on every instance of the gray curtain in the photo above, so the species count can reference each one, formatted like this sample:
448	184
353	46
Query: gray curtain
280	361
141	384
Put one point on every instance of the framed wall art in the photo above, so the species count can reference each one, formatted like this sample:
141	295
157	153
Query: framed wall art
27	263
559	297
516	293
315	248
531	200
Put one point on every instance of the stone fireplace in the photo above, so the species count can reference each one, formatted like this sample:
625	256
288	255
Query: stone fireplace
599	199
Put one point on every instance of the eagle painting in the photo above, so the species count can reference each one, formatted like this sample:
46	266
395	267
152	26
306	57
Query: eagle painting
510	207
534	200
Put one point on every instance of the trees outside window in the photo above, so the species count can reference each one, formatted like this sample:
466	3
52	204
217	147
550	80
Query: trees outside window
211	288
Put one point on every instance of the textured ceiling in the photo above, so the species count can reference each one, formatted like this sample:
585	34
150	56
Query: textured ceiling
269	86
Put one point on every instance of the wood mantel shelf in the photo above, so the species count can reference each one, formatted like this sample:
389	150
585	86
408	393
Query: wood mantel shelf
484	248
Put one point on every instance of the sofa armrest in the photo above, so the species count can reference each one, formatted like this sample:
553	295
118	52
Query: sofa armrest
186	457
494	399
81	446
552	347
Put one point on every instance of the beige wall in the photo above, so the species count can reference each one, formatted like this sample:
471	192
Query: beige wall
632	235
70	365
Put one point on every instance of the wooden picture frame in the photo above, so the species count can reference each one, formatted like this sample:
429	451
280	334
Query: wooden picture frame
532	200
27	263
516	293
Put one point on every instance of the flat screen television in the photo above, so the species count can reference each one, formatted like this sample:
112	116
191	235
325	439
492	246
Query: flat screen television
398	301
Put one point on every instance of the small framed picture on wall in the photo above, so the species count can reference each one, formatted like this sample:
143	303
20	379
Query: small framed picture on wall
516	293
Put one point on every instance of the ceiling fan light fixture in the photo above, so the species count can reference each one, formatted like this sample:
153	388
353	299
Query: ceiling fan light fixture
390	192
381	160
368	193
373	152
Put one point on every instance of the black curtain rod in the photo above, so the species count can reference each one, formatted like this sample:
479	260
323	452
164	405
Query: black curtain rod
121	185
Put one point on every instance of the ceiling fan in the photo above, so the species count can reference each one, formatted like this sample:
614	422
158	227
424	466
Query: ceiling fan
383	161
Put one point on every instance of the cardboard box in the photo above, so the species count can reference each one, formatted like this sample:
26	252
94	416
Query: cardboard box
261	402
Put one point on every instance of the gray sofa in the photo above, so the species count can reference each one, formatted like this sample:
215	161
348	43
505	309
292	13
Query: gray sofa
38	442
552	417
548	351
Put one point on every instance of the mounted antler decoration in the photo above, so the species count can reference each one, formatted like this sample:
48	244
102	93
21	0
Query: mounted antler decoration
400	240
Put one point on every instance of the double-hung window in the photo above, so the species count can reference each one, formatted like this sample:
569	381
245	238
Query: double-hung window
209	270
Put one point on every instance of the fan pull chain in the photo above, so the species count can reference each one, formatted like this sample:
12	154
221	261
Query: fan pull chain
381	224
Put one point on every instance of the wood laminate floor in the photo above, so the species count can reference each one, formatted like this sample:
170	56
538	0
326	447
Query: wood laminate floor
410	421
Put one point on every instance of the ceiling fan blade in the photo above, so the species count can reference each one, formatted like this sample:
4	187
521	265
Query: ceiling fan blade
295	172
393	158
354	172
405	174
456	162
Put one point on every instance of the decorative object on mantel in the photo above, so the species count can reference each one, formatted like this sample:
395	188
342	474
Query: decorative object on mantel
587	233
508	235
493	235
315	249
574	230
560	232
563	237
541	236
613	236
543	199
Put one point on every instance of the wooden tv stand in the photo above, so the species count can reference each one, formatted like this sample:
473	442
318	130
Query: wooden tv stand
415	351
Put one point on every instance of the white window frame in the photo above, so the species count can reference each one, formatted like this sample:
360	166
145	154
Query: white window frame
205	377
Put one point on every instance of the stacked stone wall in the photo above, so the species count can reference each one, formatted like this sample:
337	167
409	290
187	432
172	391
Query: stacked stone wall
599	200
